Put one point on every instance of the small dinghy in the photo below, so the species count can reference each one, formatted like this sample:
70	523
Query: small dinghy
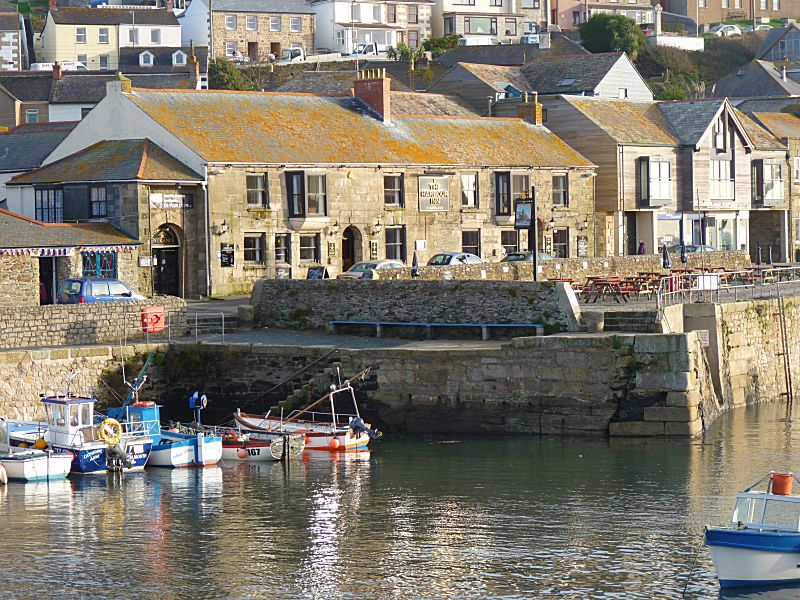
30	464
761	546
247	447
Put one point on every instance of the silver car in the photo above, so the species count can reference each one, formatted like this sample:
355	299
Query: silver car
363	270
447	259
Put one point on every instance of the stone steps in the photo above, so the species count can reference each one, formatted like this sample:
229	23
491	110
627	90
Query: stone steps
630	321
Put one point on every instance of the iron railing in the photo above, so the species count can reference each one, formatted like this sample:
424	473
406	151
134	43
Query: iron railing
176	325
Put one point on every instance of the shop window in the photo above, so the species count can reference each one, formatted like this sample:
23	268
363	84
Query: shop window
255	248
561	243
396	243
99	264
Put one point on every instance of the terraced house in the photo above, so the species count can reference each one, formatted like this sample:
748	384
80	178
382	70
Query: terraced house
285	182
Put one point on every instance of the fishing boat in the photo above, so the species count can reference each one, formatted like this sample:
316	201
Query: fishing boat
238	446
761	546
30	464
330	431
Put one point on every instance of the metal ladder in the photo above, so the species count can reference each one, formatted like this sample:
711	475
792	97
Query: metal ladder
787	366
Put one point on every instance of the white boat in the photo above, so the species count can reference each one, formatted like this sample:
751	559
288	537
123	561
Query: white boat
761	546
186	449
333	431
245	447
31	464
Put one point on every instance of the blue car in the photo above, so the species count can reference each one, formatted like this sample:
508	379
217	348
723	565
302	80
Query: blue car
94	289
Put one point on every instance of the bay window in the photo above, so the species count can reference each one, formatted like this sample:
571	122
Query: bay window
767	182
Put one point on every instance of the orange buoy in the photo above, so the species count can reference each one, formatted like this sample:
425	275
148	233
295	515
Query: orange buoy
781	484
334	444
242	453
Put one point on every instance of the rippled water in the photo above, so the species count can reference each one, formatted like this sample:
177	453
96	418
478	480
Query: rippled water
428	518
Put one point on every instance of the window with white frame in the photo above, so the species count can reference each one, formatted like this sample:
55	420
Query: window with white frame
309	248
393	189
31	115
560	190
251	23
391	13
471	241
307	194
83	59
80	35
295	24
133	36
230	22
396	243
737	4
274	23
49	206
654	180
725	4
762	4
622	94
355	12
155	36
776	4
102	35
767	182
103	61
178	58
413	38
230	48
146	59
796	162
469	190
340	37
561	242
722	184
412	13
376	13
283	248
257	193
98	207
509	240
255	248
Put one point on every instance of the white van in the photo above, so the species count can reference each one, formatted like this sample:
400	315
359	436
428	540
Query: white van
479	41
371	48
67	65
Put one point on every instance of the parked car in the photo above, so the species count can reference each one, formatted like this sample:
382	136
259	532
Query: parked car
691	248
520	256
81	290
370	49
762	27
723	30
479	40
66	65
363	270
445	259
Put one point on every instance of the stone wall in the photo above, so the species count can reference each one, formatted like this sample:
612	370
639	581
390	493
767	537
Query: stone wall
73	324
311	304
19	281
262	34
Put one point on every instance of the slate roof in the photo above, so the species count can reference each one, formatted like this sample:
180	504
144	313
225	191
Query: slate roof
510	54
499	77
162	59
781	125
296	7
766	104
773	37
689	119
24	148
27	86
111	160
627	121
415	103
569	74
21	232
328	82
112	16
9	21
758	78
258	127
762	138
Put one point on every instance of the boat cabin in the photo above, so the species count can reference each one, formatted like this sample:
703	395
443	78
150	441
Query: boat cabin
766	511
141	417
70	419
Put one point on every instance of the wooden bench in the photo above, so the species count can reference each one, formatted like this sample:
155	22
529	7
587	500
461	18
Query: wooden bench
380	326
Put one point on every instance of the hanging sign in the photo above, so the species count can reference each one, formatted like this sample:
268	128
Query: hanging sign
434	192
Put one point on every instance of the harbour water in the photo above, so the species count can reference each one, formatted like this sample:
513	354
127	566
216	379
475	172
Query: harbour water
415	518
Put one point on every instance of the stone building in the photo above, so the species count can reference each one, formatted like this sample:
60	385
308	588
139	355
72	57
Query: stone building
14	53
293	181
249	29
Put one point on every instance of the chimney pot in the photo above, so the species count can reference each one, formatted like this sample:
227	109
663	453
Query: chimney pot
531	112
52	4
57	73
373	88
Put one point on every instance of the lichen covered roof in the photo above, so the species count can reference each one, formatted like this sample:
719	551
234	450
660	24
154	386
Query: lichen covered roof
499	77
781	125
415	103
328	82
112	160
569	74
258	127
761	137
64	15
627	121
17	231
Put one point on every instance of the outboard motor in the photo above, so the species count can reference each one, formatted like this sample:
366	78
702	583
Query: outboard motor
358	426
118	458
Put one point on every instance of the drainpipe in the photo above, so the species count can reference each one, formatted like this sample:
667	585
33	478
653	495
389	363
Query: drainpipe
207	233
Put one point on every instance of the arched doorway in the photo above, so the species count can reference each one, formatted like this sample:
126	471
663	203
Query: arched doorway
166	261
351	247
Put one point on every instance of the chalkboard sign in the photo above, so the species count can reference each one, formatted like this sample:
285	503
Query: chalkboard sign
317	273
583	245
283	273
226	255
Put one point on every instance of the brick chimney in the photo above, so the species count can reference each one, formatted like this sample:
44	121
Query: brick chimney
530	111
57	74
52	4
373	89
171	5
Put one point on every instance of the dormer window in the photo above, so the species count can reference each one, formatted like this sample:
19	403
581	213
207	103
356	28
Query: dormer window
146	59
567	81
178	59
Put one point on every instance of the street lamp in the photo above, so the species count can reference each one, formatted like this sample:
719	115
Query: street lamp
533	235
353	30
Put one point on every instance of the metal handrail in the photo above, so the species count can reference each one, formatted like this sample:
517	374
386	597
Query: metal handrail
177	323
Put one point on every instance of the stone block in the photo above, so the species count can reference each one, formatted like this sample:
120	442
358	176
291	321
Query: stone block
670	413
636	429
686	429
90	351
14	358
683	399
680	381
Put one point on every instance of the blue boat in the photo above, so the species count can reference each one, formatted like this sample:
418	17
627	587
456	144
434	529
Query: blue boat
761	547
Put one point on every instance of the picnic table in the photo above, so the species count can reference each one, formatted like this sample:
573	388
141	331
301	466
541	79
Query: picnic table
598	287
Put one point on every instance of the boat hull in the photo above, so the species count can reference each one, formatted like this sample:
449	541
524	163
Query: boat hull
754	558
319	436
181	450
37	466
247	452
92	460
